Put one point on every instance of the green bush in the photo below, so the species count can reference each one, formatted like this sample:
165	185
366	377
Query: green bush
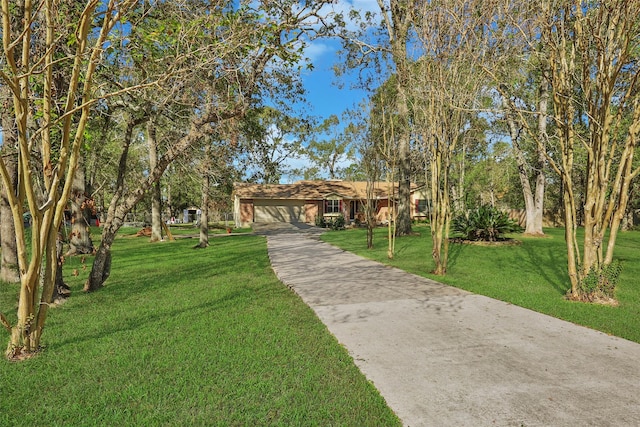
334	223
601	282
484	223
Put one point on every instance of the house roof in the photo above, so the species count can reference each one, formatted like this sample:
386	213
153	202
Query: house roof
312	190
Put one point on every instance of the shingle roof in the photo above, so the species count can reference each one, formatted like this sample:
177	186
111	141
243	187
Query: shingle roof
311	190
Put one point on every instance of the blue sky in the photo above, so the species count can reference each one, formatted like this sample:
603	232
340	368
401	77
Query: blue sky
326	93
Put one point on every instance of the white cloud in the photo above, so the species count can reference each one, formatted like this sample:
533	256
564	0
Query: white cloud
316	50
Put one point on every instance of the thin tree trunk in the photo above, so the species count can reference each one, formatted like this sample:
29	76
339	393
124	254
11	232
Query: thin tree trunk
403	219
156	202
398	24
204	208
61	290
101	267
9	271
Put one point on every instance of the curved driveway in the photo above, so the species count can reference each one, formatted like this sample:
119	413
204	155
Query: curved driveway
441	356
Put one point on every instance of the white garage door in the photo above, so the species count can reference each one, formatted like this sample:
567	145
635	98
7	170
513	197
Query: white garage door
278	211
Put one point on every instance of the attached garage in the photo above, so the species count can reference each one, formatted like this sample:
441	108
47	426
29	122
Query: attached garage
278	210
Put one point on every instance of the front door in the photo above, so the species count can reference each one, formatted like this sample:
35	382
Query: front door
353	209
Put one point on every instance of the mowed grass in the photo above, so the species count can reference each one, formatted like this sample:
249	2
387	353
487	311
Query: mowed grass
186	337
531	275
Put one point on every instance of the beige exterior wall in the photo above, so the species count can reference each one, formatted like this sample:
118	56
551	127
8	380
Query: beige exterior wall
246	211
311	210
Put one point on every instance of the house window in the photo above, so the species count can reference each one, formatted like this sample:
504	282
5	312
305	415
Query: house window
422	208
332	206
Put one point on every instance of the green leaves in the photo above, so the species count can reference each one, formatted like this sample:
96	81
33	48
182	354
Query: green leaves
485	223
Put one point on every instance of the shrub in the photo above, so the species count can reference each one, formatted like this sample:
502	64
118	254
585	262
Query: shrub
484	223
334	223
600	283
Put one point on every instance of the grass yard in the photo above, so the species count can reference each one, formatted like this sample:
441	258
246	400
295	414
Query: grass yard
531	275
185	337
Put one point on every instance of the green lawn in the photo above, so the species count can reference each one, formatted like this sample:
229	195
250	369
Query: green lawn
531	275
186	337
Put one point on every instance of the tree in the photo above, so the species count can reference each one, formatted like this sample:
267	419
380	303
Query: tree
82	209
51	114
361	134
216	77
216	177
594	49
448	87
398	19
514	58
329	147
269	139
156	192
381	51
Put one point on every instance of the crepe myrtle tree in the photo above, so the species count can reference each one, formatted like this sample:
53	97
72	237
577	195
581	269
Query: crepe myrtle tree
51	51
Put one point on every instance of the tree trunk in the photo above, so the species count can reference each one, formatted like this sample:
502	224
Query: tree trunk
533	203
398	26
403	219
80	239
156	202
204	217
61	290
9	271
101	268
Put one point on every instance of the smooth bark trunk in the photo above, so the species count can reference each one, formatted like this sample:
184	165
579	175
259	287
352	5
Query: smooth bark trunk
9	271
204	216
533	196
156	202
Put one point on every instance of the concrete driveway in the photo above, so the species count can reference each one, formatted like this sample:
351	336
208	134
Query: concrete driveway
441	356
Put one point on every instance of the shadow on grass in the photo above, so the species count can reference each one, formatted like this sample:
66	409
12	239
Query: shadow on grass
546	263
455	251
132	323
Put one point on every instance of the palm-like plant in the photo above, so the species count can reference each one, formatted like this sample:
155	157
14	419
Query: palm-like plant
484	223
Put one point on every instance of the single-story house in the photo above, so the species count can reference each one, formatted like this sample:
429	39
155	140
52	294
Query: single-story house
305	201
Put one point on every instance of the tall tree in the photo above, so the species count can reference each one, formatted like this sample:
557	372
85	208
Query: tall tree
269	139
448	88
513	56
594	49
398	19
217	76
379	49
156	192
49	37
329	147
